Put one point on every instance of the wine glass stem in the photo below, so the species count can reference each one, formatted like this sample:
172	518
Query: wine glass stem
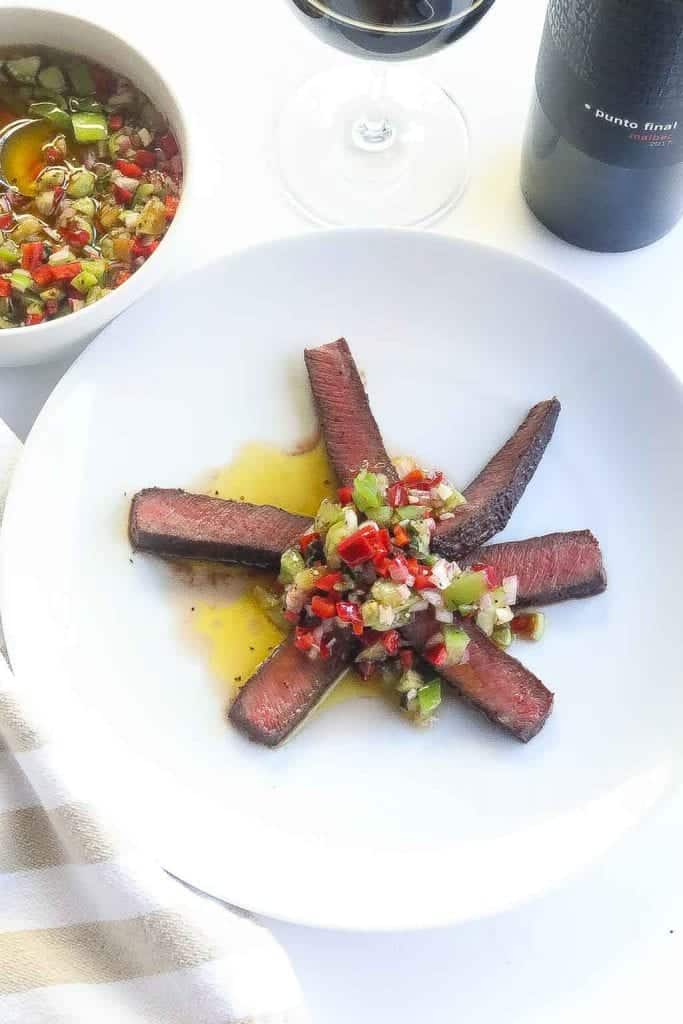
373	132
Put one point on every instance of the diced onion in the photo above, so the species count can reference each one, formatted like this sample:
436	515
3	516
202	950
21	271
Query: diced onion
350	517
130	219
399	572
386	616
404	465
441	615
443	572
486	620
130	184
435	640
511	586
295	599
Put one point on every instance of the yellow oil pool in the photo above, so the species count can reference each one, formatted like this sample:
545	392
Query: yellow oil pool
230	625
22	157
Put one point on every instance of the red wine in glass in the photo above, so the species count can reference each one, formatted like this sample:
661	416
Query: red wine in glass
385	146
391	29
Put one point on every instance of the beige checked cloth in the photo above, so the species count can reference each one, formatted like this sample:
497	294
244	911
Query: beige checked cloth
91	931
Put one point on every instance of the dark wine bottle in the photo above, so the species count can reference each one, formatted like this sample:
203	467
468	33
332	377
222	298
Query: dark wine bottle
603	155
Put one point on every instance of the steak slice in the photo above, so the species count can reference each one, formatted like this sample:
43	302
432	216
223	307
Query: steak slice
178	524
493	495
286	688
352	437
553	568
492	681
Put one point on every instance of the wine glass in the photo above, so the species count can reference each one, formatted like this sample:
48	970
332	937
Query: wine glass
370	144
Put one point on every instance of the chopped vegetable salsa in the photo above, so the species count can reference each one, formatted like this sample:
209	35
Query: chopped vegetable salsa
90	183
367	566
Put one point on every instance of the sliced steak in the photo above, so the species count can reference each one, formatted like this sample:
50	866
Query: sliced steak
177	524
553	568
492	681
351	434
493	495
286	688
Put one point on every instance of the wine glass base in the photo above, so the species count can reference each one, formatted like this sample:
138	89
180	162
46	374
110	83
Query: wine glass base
336	174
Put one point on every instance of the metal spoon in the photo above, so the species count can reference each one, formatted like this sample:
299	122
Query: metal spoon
5	135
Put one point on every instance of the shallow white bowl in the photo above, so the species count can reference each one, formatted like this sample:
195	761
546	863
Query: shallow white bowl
31	26
360	821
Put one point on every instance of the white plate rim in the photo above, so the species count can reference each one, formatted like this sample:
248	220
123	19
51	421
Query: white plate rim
287	911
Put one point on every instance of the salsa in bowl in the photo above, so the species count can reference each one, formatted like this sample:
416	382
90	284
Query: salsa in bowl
94	162
90	179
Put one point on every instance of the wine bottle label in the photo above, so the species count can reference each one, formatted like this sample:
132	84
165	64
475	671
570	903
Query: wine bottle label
610	78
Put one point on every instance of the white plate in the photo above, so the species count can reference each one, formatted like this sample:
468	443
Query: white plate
361	821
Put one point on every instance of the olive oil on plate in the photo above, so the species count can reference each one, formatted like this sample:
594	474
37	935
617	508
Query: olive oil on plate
226	619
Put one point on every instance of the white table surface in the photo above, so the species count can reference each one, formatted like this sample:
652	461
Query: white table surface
607	945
